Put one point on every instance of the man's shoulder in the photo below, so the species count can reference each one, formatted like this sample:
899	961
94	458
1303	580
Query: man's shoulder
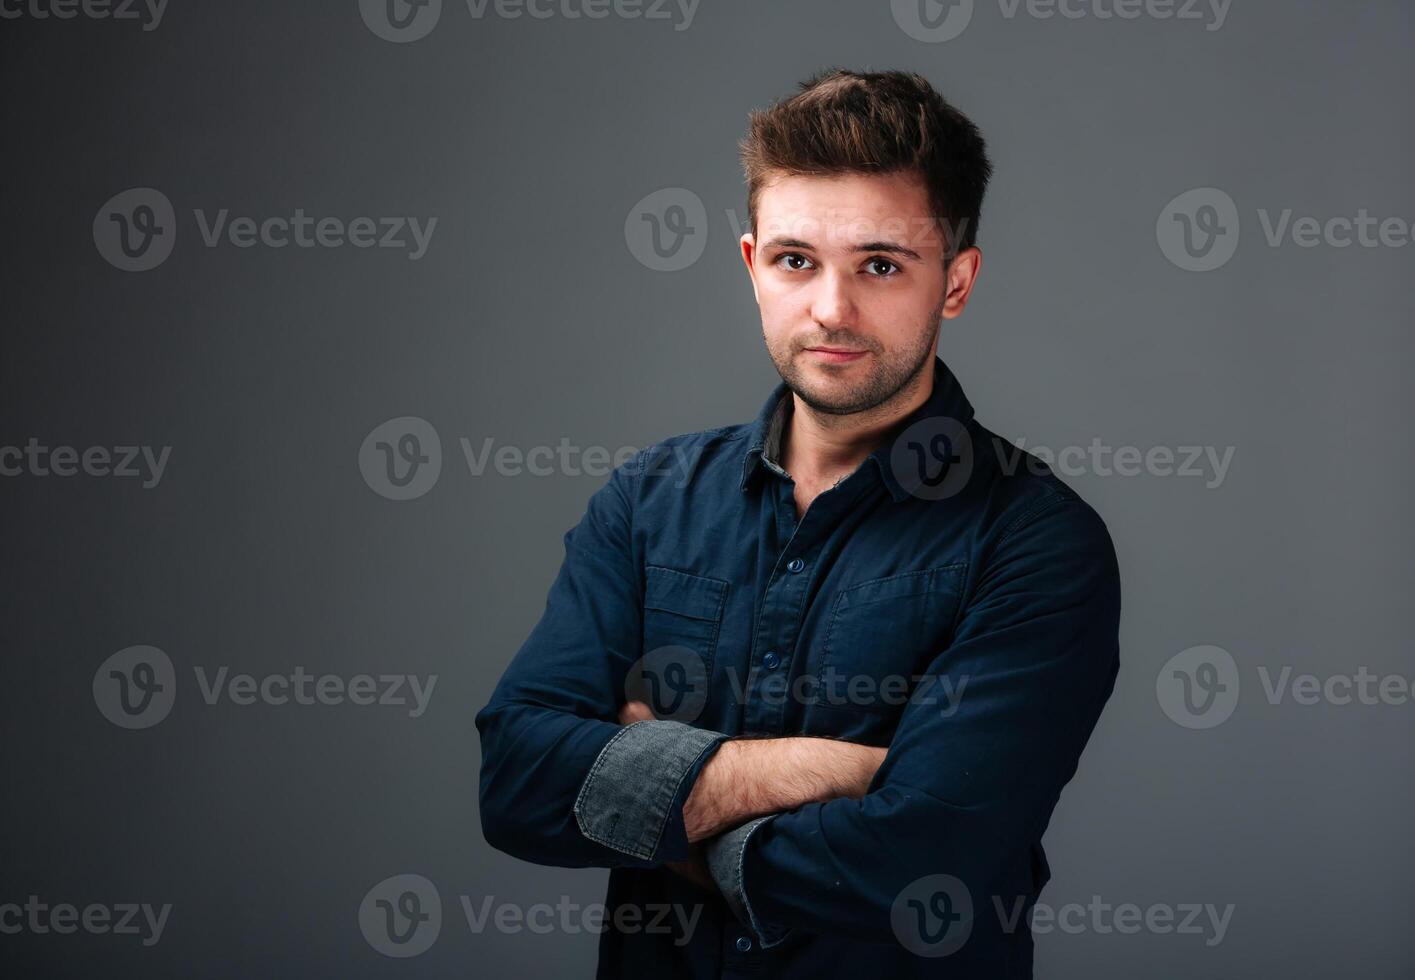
1025	491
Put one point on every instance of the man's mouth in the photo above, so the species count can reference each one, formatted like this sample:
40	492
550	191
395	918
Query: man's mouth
836	355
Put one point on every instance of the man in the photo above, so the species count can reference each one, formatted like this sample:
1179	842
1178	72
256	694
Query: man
812	685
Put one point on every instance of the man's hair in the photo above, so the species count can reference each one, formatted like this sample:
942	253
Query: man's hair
873	123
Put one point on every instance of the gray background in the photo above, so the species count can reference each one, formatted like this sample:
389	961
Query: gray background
530	320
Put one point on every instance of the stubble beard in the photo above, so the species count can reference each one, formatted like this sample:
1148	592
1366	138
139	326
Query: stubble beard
890	373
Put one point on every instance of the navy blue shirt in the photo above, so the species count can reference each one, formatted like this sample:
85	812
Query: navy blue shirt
950	599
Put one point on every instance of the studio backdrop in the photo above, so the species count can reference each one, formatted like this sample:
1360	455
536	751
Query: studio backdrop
323	321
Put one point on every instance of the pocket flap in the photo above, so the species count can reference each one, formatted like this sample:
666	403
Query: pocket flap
695	596
944	578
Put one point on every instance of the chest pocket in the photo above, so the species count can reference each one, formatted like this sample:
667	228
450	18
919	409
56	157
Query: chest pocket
883	633
682	617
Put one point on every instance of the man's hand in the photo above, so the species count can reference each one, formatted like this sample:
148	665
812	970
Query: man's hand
633	711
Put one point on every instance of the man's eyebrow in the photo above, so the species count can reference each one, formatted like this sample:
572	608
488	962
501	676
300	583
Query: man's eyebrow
891	248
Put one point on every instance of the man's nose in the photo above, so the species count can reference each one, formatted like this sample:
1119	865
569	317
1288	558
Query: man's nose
832	304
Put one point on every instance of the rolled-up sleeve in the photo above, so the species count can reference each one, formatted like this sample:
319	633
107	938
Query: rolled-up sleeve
562	783
632	800
724	855
967	783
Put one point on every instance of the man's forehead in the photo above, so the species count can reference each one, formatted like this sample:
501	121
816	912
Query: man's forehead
846	211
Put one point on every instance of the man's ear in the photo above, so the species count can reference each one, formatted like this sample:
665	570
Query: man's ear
749	251
961	276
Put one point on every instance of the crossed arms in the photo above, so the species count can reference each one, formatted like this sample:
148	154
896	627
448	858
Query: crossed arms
832	832
747	778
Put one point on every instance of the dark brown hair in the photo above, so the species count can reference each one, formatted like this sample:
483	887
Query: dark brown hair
873	122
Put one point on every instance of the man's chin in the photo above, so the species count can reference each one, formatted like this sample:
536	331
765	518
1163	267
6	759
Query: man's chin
830	395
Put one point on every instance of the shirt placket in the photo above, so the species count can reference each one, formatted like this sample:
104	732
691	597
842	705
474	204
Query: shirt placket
774	644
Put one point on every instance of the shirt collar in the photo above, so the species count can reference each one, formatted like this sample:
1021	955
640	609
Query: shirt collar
945	402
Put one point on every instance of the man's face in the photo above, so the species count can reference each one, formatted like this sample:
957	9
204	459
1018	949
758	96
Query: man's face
849	274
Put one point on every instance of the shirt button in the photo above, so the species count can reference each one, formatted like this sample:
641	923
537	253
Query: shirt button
770	661
743	943
795	565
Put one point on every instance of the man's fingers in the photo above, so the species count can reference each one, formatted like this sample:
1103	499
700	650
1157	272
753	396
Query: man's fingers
634	711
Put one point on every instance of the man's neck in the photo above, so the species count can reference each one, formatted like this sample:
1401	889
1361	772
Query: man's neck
820	448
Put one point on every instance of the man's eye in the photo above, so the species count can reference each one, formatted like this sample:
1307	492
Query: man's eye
789	257
876	263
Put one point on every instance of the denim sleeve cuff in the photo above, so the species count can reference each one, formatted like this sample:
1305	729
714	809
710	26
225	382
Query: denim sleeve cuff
627	800
725	860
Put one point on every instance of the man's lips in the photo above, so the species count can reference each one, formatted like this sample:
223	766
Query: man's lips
836	355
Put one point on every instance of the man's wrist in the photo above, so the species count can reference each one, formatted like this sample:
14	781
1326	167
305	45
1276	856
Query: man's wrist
706	812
